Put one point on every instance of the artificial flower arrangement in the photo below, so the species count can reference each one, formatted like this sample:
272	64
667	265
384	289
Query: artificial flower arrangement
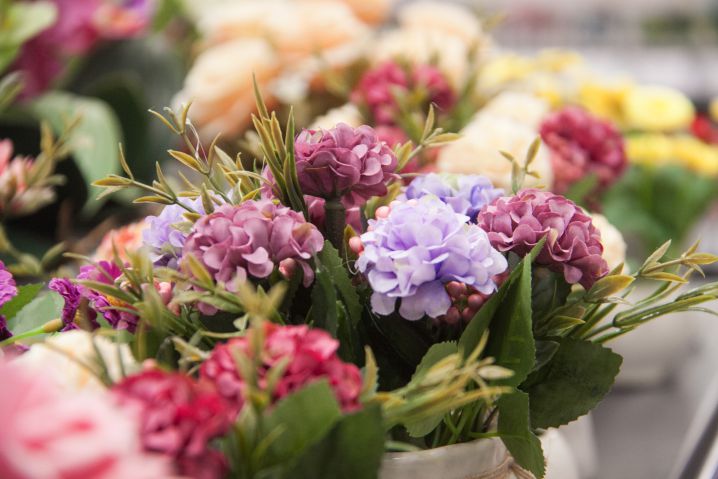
303	312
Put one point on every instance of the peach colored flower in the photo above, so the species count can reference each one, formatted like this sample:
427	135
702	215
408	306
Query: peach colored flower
127	238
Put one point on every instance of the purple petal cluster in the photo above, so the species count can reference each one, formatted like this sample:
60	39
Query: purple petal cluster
466	194
346	162
72	295
107	272
236	242
163	237
8	289
573	244
419	247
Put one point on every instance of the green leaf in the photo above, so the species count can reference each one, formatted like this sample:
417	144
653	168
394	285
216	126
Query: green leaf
480	322
436	353
549	290
573	382
43	308
23	21
25	294
515	432
304	418
329	257
324	301
511	340
93	141
353	448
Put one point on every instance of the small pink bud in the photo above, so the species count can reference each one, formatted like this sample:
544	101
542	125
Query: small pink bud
467	314
287	267
475	301
356	245
382	212
452	316
455	289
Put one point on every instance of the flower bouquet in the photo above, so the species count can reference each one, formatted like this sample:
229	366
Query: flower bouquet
307	311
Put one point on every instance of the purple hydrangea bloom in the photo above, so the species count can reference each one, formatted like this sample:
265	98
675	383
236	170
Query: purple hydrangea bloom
418	248
107	272
573	244
466	194
162	236
344	162
251	239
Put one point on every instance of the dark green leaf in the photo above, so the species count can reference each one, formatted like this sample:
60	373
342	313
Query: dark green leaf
304	417
575	380
352	449
515	431
324	301
329	257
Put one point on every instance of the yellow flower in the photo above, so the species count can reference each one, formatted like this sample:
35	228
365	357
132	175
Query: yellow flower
605	99
685	150
504	69
657	108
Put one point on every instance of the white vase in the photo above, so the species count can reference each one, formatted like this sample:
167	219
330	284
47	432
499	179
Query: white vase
481	459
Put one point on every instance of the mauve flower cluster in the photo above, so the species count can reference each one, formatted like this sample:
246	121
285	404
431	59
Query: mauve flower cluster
310	355
378	87
419	247
582	145
178	417
80	25
47	433
573	244
162	236
466	194
251	239
344	162
8	290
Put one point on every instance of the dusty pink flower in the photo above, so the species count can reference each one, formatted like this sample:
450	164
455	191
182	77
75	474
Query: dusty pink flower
379	87
573	244
344	162
179	417
311	356
250	240
48	434
581	145
17	195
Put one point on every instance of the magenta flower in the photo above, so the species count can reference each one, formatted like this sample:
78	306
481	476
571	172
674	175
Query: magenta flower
582	144
344	162
310	355
8	289
573	244
379	87
106	272
250	240
179	418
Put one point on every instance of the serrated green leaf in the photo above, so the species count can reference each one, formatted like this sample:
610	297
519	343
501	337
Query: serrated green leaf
515	431
305	417
352	449
575	380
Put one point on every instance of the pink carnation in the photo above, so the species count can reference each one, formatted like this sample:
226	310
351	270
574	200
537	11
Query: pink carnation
311	355
250	240
573	244
379	87
179	418
346	162
47	434
581	145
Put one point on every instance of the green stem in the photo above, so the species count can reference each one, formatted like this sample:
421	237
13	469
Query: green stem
335	221
49	327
